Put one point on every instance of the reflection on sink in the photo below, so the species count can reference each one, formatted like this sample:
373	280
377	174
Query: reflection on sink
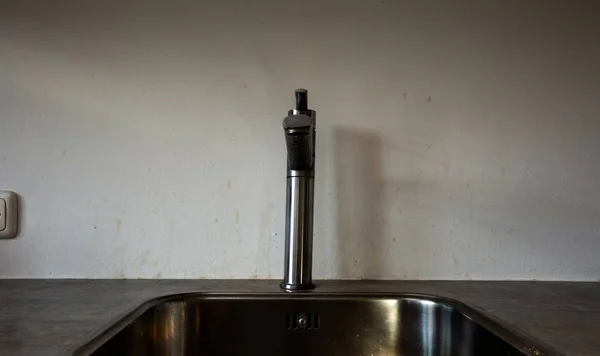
308	324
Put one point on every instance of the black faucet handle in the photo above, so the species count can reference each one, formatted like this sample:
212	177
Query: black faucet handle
299	139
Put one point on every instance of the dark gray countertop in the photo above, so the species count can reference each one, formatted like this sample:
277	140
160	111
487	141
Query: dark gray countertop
47	317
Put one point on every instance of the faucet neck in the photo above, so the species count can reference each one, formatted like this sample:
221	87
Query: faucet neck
299	130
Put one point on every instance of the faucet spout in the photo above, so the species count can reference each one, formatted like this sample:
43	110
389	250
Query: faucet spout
299	131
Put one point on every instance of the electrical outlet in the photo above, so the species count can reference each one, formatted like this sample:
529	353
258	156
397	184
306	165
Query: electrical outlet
9	214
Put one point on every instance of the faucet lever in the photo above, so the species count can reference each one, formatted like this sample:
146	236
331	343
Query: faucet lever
301	99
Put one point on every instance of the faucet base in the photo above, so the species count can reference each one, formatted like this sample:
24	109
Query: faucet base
291	287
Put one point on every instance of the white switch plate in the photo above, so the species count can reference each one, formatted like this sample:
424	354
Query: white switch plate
9	214
2	214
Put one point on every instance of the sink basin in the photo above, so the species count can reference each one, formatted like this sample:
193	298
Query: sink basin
308	324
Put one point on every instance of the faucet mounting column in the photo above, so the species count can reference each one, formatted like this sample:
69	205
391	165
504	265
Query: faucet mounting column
299	130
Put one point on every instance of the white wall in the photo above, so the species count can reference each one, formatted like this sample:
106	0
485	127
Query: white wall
455	140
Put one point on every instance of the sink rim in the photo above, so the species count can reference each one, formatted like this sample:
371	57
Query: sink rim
497	326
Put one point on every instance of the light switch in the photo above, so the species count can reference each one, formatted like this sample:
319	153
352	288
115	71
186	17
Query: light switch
2	214
9	214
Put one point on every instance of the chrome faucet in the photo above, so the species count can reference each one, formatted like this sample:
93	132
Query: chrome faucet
299	130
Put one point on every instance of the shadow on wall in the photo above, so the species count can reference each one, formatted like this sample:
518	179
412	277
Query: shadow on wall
370	222
358	202
423	216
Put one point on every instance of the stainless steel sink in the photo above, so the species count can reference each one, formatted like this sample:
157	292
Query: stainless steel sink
308	324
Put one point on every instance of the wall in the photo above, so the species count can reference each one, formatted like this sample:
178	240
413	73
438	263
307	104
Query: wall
454	141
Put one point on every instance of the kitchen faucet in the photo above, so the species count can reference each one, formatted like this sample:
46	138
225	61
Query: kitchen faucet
299	130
